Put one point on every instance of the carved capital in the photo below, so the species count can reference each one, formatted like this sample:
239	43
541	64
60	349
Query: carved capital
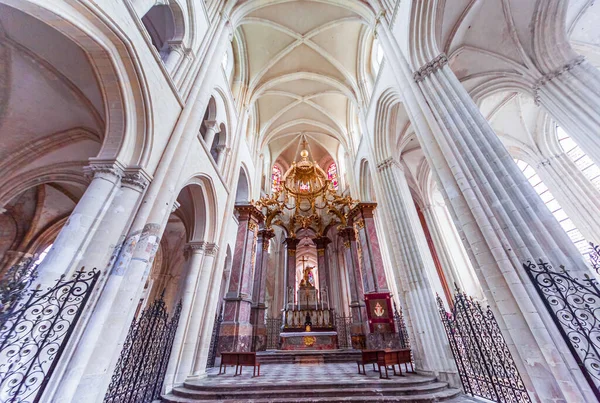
135	179
211	249
211	125
431	67
176	205
546	78
387	163
110	171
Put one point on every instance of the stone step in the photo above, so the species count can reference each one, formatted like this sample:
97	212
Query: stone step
446	394
292	357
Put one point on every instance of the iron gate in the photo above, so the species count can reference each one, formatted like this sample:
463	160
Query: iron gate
15	282
484	363
401	328
273	331
344	334
142	365
214	341
34	333
574	305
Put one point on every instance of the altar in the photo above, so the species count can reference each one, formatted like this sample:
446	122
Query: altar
309	341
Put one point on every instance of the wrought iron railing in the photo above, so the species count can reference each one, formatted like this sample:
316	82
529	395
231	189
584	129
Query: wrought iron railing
594	256
273	331
401	327
574	305
344	333
214	341
15	282
140	371
485	365
34	333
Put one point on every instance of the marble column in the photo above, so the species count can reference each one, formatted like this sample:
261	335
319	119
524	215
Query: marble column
504	223
259	291
290	272
323	269
77	233
571	95
357	305
371	259
412	263
236	329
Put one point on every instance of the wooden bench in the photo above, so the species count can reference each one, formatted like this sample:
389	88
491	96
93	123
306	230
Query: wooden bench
240	360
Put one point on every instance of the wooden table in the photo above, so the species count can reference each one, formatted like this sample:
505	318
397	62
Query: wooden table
240	360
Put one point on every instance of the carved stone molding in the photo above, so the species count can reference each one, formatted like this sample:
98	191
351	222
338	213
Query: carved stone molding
176	205
211	249
136	180
431	67
193	248
111	171
546	78
386	163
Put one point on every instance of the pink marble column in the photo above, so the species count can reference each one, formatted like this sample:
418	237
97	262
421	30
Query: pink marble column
371	259
357	305
290	269
323	267
236	329
259	292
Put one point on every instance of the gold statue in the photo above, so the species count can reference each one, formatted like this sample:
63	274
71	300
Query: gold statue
308	278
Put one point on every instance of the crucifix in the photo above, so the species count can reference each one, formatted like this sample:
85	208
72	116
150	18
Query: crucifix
303	259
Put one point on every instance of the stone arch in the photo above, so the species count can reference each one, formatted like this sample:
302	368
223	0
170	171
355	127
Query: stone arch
367	188
386	110
202	211
127	135
165	24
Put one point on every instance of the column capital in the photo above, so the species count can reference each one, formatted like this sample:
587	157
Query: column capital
135	178
249	212
387	163
211	249
348	235
195	247
291	243
211	124
554	74
109	170
321	242
430	67
363	210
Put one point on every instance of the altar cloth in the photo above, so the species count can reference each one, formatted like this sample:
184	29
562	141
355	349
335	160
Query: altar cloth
309	341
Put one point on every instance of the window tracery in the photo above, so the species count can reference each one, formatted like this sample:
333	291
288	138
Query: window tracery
561	216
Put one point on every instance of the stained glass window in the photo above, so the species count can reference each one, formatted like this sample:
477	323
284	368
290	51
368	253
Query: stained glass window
554	207
276	179
332	175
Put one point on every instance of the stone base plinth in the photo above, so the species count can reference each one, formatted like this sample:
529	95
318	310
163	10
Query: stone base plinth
309	341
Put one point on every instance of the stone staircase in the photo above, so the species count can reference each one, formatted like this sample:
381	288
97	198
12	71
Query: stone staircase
229	389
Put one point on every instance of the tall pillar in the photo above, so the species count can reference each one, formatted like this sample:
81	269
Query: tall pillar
180	362
372	262
412	261
357	305
290	271
79	229
571	94
500	217
259	291
323	265
236	329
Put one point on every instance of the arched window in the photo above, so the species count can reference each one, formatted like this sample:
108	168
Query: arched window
332	175
276	179
581	159
376	58
554	207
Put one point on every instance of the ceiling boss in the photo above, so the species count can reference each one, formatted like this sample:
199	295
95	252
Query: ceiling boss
307	200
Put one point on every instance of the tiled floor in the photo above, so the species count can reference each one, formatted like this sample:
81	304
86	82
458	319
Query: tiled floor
304	374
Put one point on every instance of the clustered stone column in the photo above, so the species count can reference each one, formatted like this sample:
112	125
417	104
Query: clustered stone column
259	291
428	339
357	306
236	329
503	222
571	94
323	265
290	271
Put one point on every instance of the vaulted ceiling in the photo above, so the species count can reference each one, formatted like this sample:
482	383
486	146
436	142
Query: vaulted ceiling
302	64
